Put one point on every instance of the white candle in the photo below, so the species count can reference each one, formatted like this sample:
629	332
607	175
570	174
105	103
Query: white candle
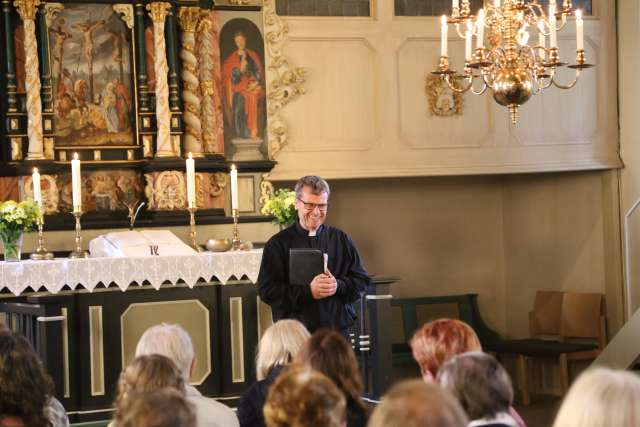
480	29
467	43
191	182
496	4
37	191
234	187
542	41
552	25
454	4
443	35
579	31
76	183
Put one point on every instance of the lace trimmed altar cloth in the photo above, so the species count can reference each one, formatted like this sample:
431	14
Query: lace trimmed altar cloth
87	273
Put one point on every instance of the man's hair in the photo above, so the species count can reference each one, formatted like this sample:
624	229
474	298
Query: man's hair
25	387
414	403
316	184
479	382
329	353
601	397
147	373
439	340
279	345
169	340
302	397
165	407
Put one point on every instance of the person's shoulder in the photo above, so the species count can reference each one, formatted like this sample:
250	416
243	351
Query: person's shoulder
281	237
210	412
337	232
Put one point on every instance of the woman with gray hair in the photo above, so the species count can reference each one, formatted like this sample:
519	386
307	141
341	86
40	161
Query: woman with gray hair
482	386
278	346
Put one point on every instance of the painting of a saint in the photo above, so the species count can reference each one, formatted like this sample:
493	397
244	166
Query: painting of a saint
91	71
243	86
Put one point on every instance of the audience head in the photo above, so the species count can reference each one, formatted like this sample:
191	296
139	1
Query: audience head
414	403
165	407
601	397
479	382
438	341
25	387
279	345
169	340
147	373
302	397
329	353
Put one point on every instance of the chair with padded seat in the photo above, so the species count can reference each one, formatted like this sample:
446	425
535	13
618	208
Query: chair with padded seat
563	326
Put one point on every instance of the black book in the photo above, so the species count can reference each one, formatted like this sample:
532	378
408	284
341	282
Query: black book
304	265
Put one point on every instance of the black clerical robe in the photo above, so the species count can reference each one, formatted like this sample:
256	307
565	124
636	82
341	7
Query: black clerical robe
296	302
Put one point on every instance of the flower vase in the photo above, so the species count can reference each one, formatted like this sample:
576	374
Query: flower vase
12	247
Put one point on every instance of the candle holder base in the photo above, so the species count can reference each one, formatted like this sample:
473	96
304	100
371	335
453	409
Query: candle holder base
79	254
41	254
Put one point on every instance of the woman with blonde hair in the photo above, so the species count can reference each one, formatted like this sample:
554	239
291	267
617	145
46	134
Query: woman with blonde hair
601	397
278	346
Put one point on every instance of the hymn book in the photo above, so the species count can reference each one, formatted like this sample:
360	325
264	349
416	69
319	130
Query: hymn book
304	265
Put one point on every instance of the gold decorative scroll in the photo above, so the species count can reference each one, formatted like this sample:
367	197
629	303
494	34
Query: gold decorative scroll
287	82
51	10
266	189
27	10
164	148
126	13
188	19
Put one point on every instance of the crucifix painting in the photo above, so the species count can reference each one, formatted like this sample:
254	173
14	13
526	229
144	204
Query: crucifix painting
91	71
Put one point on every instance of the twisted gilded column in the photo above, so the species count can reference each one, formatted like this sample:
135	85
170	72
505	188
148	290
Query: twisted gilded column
188	20
158	13
211	106
27	10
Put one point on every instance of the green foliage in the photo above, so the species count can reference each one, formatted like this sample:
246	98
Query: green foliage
282	206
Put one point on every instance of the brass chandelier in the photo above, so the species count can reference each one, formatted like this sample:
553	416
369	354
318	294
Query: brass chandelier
513	69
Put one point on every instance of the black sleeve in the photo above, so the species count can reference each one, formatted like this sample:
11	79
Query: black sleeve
273	285
249	413
356	281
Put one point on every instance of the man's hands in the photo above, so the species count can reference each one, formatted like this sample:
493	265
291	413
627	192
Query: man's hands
323	285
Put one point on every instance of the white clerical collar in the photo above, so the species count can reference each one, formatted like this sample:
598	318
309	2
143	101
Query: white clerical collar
312	233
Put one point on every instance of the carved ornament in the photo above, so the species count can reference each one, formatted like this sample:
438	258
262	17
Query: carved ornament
158	10
27	8
287	82
51	10
443	101
188	18
126	13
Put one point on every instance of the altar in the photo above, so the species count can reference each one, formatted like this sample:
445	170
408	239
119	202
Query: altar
85	316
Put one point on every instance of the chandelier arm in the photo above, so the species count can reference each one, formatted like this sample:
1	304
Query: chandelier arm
447	78
541	85
458	30
567	86
481	91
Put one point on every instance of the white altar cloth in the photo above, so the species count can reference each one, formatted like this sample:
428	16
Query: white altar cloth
87	273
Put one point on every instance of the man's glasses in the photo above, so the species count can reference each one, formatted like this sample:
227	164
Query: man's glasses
311	206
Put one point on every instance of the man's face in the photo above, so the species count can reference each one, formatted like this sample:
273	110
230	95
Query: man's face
241	42
312	209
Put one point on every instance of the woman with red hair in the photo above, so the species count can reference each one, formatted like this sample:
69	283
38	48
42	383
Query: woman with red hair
437	341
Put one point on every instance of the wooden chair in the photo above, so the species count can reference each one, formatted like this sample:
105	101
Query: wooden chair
563	326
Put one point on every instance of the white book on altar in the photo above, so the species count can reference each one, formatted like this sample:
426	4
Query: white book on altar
139	244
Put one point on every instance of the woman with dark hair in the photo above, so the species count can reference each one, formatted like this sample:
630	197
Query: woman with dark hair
26	390
328	352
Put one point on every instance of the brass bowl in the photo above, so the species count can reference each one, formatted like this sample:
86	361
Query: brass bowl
218	245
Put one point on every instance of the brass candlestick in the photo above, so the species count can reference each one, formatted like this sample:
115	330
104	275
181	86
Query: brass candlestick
192	228
41	252
79	252
235	240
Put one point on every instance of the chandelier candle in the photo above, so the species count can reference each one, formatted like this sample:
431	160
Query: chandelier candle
508	65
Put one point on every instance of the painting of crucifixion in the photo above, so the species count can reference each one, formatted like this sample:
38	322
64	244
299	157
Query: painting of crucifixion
89	47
